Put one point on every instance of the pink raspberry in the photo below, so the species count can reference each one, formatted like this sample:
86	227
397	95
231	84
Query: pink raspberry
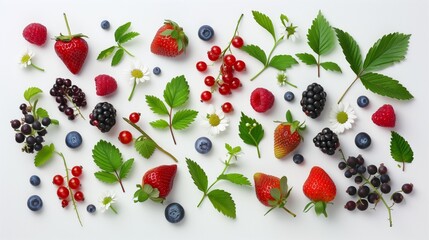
261	100
35	33
105	84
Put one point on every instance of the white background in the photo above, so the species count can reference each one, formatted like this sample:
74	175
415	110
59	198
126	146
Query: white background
366	21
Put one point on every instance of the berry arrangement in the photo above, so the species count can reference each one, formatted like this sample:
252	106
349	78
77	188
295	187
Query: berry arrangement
65	92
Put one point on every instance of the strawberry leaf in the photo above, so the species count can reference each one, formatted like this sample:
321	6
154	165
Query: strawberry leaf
106	177
250	131
351	50
44	155
126	168
385	86
117	57
265	22
223	202
176	92
400	149
106	53
145	147
235	178
331	66
282	62
127	37
183	118
160	123
121	30
307	58
198	175
321	36
106	156
31	92
255	52
156	105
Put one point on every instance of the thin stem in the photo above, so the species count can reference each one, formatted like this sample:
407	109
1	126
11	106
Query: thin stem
342	96
37	67
76	107
289	211
259	73
125	50
120	181
132	91
276	43
170	125
318	66
235	33
287	82
67	24
113	209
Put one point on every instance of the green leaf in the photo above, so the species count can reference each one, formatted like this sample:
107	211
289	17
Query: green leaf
31	92
400	149
307	58
250	134
386	51
282	62
176	92
106	177
235	178
255	52
106	53
127	37
331	66
232	150
265	22
121	30
156	105
275	193
321	36
183	118
44	155
160	123
107	156
385	86
223	202
145	147
198	175
54	121
351	50
126	168
41	113
117	57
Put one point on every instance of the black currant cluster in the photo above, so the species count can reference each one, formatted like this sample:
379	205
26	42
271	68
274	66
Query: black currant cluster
327	141
313	100
103	116
30	130
64	92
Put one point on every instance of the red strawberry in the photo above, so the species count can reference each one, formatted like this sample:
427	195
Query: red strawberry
156	184
35	33
105	85
261	100
287	136
320	189
169	40
272	191
385	116
72	49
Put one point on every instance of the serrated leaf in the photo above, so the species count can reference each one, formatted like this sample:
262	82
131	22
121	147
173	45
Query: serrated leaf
223	202
351	50
106	177
156	105
145	147
255	52
121	30
127	37
282	62
106	53
385	86
250	134
183	118
321	36
117	57
265	22
331	66
107	156
160	123
41	113
198	175
31	92
44	155
307	58
400	149
235	178
176	92
386	51
126	168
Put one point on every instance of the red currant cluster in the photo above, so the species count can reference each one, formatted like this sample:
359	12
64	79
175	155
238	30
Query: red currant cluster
125	136
63	191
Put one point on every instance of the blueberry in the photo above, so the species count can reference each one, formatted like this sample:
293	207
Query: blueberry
298	158
289	96
362	140
105	24
174	212
203	145
205	32
362	101
156	70
91	208
35	180
73	139
34	203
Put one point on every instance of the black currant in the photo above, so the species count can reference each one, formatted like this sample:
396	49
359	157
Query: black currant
42	133
351	190
38	146
373	197
37	125
350	205
362	204
46	121
360	160
384	178
358	179
397	197
342	165
348	174
15	124
375	181
30	140
407	188
361	169
19	137
363	191
29	118
23	107
351	162
382	169
372	169
385	188
26	129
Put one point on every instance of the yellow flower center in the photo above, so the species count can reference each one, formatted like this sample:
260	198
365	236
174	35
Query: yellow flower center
214	120
342	117
137	73
25	58
107	200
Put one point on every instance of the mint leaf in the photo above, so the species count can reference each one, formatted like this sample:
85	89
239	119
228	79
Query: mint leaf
176	92
331	66
321	36
145	147
265	22
117	57
44	155
235	178
351	50
400	149
385	86
156	105
307	58
232	150
107	156
121	30
106	53
198	175
160	123
250	131
223	202
386	51
255	52
282	62
31	92
183	118
127	37
106	177
126	168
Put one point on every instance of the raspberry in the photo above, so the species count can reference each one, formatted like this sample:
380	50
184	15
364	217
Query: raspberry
261	100
384	116
327	141
35	33
105	85
103	116
313	100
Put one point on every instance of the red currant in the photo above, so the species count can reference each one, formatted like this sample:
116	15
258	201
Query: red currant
74	183
229	59
213	57
64	203
58	180
125	137
216	50
63	192
206	96
235	83
237	42
224	89
226	69
201	66
78	196
239	65
76	171
227	107
209	81
134	117
227	78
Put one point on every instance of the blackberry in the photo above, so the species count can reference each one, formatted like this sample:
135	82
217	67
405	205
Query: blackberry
64	92
103	116
327	141
313	100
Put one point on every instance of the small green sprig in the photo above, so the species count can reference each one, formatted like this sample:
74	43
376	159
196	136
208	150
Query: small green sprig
220	199
121	37
30	95
400	149
250	131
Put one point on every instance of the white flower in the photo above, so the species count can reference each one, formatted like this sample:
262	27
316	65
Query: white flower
215	120
138	73
26	58
342	117
107	201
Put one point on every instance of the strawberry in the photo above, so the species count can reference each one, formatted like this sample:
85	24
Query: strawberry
287	136
156	184
105	85
385	116
35	33
169	40
71	49
272	191
320	189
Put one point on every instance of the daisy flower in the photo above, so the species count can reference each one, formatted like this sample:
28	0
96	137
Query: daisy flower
26	60
288	29
138	73
342	117
282	80
215	120
107	201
